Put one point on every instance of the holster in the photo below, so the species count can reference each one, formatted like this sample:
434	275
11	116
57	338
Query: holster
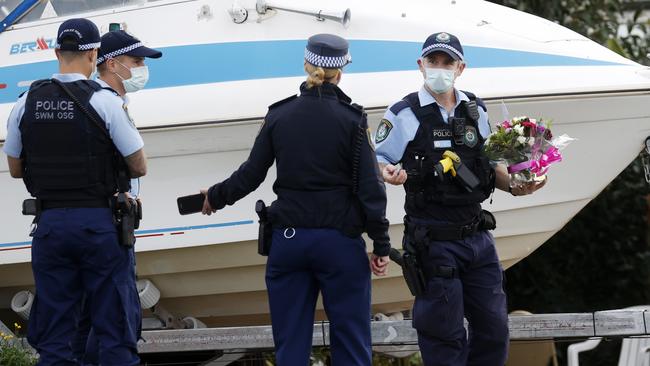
413	274
416	244
127	213
265	233
487	221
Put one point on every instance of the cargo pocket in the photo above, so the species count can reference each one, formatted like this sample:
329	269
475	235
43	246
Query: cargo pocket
130	313
439	311
41	243
34	328
101	239
497	304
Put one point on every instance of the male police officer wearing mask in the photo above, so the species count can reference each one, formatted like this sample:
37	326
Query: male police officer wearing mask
319	214
122	70
69	150
444	226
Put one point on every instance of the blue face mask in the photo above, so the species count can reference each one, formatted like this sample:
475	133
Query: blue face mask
138	79
439	81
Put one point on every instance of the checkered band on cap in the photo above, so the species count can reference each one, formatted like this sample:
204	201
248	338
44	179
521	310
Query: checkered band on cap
442	45
84	47
327	61
118	52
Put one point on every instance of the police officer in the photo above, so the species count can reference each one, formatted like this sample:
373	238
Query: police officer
122	70
444	225
70	140
327	182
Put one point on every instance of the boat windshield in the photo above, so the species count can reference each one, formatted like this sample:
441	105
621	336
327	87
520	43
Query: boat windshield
57	8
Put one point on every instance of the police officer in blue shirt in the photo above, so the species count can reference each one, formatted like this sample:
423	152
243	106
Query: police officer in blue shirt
444	225
70	160
121	67
329	191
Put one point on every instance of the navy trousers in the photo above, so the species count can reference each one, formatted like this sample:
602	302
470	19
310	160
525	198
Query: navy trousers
303	263
476	294
85	346
75	253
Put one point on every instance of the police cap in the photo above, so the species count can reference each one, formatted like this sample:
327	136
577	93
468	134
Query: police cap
119	42
443	42
328	51
82	31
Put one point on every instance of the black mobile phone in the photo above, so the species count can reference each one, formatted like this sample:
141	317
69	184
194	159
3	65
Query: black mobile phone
190	204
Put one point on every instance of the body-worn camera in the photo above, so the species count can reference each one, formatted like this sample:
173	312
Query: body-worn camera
458	129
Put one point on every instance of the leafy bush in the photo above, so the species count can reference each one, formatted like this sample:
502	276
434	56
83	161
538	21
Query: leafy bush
12	352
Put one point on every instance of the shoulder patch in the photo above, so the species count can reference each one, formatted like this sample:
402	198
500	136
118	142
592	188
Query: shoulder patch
383	130
399	106
285	100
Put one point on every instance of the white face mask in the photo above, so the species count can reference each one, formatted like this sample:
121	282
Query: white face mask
138	79
439	80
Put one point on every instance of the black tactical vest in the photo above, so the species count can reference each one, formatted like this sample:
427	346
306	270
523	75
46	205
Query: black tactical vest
443	197
67	157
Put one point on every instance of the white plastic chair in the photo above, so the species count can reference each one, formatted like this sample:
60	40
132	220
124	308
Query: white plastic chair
635	351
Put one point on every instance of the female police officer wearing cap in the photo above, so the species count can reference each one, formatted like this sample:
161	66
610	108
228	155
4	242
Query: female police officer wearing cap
317	218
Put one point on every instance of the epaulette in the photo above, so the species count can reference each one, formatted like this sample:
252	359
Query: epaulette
356	108
399	106
472	97
278	103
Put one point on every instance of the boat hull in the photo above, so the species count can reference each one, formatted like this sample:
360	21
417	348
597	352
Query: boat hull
207	267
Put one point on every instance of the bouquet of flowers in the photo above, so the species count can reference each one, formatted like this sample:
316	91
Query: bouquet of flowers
527	147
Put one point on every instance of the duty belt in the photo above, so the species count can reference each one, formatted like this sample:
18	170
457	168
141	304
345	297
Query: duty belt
422	232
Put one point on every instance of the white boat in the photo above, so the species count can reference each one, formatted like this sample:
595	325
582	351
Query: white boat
208	94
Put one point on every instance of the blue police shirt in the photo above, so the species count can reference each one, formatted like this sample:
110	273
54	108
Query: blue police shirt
405	125
135	183
110	108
